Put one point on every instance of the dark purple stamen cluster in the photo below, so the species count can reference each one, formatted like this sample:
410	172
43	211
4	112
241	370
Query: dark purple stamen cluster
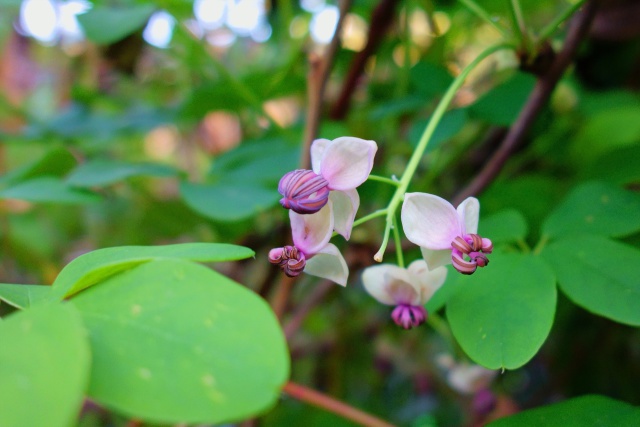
475	248
290	259
304	191
409	316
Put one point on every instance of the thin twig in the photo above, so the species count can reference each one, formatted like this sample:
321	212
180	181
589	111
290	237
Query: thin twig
381	19
319	70
537	100
332	405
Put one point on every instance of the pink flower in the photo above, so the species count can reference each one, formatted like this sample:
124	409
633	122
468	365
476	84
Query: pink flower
339	166
312	252
445	234
408	289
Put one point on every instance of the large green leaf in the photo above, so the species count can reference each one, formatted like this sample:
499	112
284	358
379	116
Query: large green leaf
600	275
174	341
44	367
226	201
620	166
92	267
503	313
505	226
99	173
23	296
105	25
502	104
583	411
48	190
595	208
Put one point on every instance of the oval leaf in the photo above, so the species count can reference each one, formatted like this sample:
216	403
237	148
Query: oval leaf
584	411
228	202
48	189
505	226
599	275
595	208
44	366
503	313
105	25
23	296
175	342
99	173
92	267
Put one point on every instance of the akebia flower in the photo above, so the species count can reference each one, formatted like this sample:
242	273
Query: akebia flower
444	233
339	166
311	251
407	289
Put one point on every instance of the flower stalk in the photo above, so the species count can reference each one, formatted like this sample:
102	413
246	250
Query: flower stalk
436	117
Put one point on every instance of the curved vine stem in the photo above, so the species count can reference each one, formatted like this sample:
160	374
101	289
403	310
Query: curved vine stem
436	117
481	13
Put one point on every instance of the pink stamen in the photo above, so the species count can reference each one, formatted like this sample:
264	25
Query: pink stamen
474	247
290	260
409	316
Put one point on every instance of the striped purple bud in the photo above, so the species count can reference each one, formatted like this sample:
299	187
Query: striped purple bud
468	253
289	258
304	191
409	316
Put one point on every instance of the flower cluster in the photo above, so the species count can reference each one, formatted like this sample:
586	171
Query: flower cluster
321	201
324	200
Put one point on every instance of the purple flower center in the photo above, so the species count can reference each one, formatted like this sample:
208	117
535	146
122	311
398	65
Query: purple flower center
290	259
409	316
468	252
304	191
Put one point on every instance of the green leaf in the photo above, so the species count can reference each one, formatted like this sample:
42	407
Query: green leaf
503	313
93	267
505	226
98	173
212	97
611	128
105	25
48	190
452	122
620	166
56	162
176	342
595	208
583	411
502	104
600	275
44	366
23	296
228	202
430	79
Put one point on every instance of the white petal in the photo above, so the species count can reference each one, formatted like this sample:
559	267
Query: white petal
469	212
435	259
378	280
328	263
429	221
469	379
345	205
318	147
347	162
429	280
312	232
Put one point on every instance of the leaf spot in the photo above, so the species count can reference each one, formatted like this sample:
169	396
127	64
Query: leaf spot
604	199
136	309
208	322
208	380
144	373
589	219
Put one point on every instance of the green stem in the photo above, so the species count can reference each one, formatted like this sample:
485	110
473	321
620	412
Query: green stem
548	30
398	196
398	242
386	180
518	24
541	244
484	15
523	246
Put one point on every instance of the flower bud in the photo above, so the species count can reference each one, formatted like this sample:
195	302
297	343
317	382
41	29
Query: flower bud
304	191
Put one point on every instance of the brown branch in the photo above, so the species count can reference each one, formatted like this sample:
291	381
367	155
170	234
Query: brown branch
319	70
332	405
381	19
536	101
